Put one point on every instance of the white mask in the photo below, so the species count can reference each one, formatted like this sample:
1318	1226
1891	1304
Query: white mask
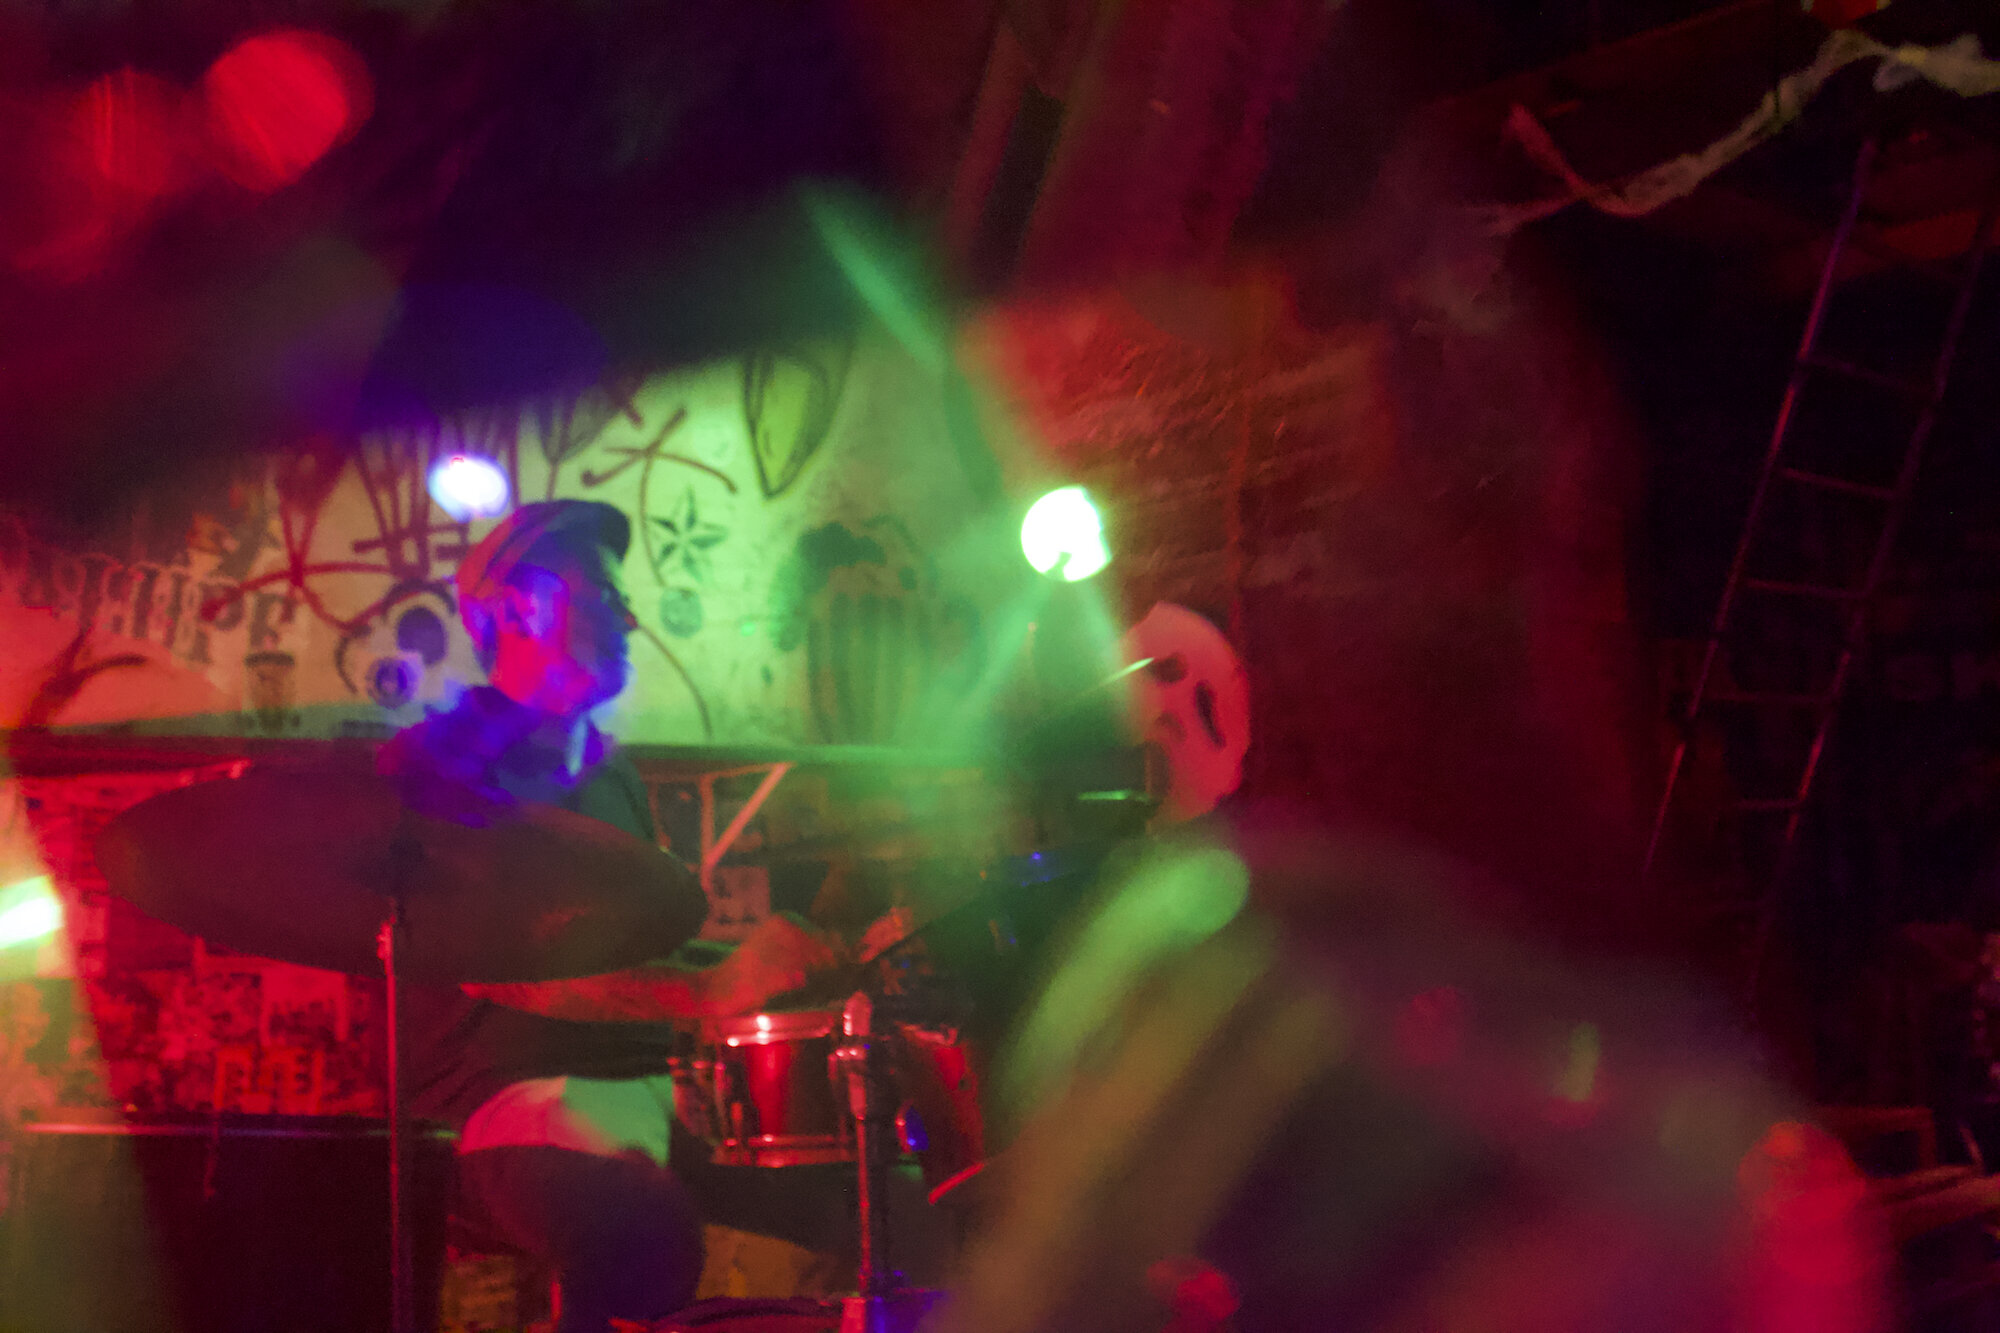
1193	702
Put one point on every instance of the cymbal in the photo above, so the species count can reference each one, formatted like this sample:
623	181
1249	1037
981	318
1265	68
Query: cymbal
299	867
1003	888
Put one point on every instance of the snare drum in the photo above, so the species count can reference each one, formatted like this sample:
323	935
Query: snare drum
771	1099
760	1092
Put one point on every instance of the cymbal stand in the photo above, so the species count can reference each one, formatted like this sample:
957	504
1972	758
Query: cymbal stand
881	1303
864	1102
402	1283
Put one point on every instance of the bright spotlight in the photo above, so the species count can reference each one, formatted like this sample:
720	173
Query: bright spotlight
29	910
1063	534
466	487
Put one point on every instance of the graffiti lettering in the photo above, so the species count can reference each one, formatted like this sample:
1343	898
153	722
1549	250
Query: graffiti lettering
175	601
262	632
96	591
142	601
45	585
225	615
90	592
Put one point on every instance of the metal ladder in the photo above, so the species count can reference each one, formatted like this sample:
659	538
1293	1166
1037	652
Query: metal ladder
1817	706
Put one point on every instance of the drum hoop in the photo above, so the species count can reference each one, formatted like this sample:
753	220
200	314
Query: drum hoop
781	1150
755	1141
767	1029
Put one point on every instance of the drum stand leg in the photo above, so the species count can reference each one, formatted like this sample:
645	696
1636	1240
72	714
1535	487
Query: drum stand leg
875	1277
402	1302
882	1304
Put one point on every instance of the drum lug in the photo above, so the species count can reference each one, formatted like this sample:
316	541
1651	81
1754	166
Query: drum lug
910	1129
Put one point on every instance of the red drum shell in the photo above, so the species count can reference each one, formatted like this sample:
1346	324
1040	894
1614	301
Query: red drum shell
772	1100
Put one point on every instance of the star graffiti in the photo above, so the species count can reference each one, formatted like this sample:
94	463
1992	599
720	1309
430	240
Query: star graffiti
685	539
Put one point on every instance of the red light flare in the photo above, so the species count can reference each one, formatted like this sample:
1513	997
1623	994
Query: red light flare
277	102
131	129
94	164
1819	1258
1200	1296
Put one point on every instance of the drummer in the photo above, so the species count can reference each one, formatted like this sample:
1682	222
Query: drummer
558	1089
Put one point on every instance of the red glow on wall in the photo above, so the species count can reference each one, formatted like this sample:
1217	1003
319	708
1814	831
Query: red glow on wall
278	101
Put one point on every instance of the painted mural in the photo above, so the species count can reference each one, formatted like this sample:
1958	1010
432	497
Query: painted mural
811	564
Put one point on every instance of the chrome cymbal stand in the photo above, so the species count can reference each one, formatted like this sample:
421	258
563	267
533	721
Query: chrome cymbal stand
881	1304
403	856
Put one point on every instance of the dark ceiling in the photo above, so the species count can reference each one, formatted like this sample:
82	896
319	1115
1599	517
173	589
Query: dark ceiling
542	191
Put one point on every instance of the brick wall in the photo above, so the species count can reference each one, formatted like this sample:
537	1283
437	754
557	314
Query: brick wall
1397	481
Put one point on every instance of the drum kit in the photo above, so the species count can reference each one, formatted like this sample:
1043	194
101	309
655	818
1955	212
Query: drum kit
332	870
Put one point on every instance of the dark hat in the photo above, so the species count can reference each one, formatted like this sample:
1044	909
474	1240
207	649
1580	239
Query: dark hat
579	524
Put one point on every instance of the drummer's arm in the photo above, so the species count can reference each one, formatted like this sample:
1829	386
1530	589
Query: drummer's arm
780	955
649	993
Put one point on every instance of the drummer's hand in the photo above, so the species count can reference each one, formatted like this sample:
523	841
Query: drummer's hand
885	932
780	955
